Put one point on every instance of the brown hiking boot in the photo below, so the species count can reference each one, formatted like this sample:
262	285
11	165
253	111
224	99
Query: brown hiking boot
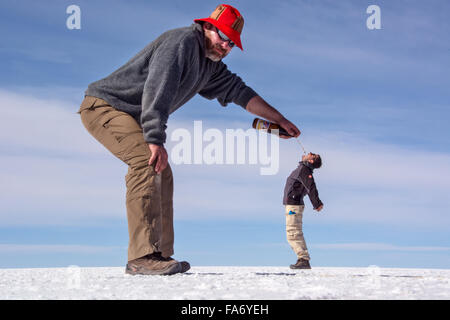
185	266
153	264
301	264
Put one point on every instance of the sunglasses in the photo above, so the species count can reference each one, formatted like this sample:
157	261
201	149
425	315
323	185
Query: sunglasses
224	37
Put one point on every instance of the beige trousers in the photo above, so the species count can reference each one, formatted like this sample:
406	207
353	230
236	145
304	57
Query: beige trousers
294	231
149	197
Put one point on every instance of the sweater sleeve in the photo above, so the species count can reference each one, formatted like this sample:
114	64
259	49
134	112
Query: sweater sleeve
166	67
227	87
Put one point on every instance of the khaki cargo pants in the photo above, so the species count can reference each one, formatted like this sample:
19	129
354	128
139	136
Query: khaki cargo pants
149	197
294	232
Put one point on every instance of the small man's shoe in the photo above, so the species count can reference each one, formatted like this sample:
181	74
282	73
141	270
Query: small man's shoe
301	264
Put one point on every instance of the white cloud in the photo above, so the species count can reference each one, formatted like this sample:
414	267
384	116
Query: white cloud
352	161
377	247
51	248
54	172
360	181
359	246
52	190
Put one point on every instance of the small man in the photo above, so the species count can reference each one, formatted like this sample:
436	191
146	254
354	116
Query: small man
299	183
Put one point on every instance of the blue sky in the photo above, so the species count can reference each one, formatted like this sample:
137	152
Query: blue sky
373	103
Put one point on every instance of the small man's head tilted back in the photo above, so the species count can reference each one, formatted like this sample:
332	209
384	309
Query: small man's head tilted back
314	159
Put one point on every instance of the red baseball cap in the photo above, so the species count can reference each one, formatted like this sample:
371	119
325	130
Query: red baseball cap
228	20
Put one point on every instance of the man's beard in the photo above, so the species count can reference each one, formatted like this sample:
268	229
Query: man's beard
212	51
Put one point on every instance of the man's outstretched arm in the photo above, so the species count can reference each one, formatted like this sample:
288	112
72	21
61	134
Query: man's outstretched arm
260	107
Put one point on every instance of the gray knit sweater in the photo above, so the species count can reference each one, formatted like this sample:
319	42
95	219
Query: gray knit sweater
165	75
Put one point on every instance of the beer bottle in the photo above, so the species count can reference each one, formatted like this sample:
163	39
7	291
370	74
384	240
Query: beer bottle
260	124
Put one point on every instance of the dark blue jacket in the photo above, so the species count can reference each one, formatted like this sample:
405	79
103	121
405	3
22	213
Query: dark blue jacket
299	184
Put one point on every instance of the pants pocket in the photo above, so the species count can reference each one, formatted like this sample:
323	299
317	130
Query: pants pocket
294	210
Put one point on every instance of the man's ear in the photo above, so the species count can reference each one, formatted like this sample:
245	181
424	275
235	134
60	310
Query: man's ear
311	161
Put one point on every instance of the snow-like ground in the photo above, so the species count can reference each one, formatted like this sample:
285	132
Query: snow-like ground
234	283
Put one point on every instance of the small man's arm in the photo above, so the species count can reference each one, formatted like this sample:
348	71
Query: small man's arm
308	182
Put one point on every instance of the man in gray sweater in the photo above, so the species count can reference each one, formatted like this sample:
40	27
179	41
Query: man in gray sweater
128	111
